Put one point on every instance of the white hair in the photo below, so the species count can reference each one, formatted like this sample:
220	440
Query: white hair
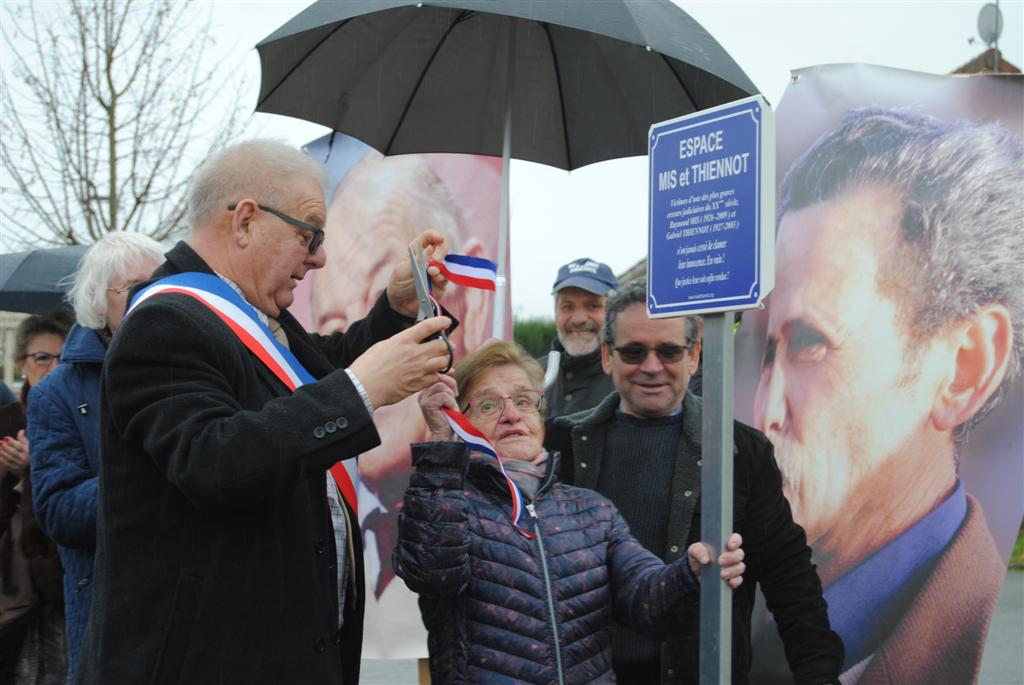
258	168
115	255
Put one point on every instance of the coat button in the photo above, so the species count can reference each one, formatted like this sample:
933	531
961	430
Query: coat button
688	493
700	462
342	423
568	396
583	464
568	375
319	432
331	426
320	645
583	438
673	549
320	547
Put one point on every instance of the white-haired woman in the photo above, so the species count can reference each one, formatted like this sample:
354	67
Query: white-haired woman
63	415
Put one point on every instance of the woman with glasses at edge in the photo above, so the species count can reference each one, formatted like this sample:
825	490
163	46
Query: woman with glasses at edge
31	600
63	416
528	601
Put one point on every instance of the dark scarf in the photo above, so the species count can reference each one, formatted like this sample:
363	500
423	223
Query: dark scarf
528	475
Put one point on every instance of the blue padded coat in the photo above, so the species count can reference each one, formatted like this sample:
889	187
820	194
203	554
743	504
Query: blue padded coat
64	443
501	608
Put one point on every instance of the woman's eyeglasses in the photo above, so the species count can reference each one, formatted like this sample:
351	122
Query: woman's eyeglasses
525	402
40	358
124	288
667	353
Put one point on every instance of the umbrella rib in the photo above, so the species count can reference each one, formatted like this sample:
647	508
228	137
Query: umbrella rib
341	24
561	98
419	81
679	80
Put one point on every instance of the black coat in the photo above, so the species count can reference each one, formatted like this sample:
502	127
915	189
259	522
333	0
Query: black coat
777	556
215	554
581	382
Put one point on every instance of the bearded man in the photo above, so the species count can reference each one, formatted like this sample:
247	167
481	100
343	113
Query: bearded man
574	379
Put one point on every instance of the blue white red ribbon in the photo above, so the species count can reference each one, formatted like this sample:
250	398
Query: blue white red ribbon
243	320
475	272
473	438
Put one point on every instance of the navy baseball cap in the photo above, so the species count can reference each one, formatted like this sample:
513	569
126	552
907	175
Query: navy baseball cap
587	274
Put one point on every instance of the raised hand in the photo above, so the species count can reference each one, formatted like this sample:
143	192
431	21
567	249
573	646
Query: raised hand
14	453
403	364
402	290
439	395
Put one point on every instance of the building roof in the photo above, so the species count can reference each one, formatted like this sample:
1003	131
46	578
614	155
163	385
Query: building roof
985	63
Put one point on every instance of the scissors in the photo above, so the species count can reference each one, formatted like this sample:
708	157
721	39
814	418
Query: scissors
426	303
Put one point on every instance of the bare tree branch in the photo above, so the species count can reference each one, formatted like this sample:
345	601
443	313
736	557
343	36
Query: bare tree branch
104	109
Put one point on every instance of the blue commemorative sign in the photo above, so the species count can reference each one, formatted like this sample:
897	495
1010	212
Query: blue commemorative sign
711	227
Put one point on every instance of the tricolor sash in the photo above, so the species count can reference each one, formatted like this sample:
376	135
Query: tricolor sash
242	319
473	438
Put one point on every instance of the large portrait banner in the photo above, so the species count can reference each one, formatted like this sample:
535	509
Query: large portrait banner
886	367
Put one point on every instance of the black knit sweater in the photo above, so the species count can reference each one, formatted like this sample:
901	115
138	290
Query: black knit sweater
639	480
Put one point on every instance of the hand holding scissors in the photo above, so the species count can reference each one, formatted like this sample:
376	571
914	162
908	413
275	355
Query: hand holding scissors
401	291
427	305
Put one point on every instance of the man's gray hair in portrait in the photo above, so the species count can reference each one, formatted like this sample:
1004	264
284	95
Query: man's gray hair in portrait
961	232
635	292
258	168
404	191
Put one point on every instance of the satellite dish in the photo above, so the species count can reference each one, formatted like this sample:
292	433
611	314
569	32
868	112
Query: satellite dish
990	23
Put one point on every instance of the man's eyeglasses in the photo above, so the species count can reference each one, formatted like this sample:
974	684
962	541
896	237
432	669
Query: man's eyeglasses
525	402
667	353
40	358
318	233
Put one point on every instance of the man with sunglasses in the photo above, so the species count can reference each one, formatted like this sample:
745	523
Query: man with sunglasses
226	550
641	448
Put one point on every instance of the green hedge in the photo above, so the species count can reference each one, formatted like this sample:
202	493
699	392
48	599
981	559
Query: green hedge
534	334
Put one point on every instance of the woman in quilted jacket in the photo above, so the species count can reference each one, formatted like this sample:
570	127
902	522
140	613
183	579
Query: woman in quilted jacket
525	598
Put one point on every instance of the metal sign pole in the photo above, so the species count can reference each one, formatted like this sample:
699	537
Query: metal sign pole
711	251
716	498
498	323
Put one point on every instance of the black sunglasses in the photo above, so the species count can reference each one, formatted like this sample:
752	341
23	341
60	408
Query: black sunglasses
667	353
318	233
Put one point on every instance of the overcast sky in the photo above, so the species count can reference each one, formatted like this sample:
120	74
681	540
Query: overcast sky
600	211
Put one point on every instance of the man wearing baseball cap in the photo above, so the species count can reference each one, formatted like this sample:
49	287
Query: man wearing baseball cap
574	379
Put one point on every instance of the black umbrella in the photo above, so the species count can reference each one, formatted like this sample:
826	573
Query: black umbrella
580	82
36	281
564	83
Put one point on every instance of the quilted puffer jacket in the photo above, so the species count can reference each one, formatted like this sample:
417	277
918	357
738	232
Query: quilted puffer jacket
502	608
64	445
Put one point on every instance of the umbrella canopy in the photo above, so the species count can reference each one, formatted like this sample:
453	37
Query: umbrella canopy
36	281
580	82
